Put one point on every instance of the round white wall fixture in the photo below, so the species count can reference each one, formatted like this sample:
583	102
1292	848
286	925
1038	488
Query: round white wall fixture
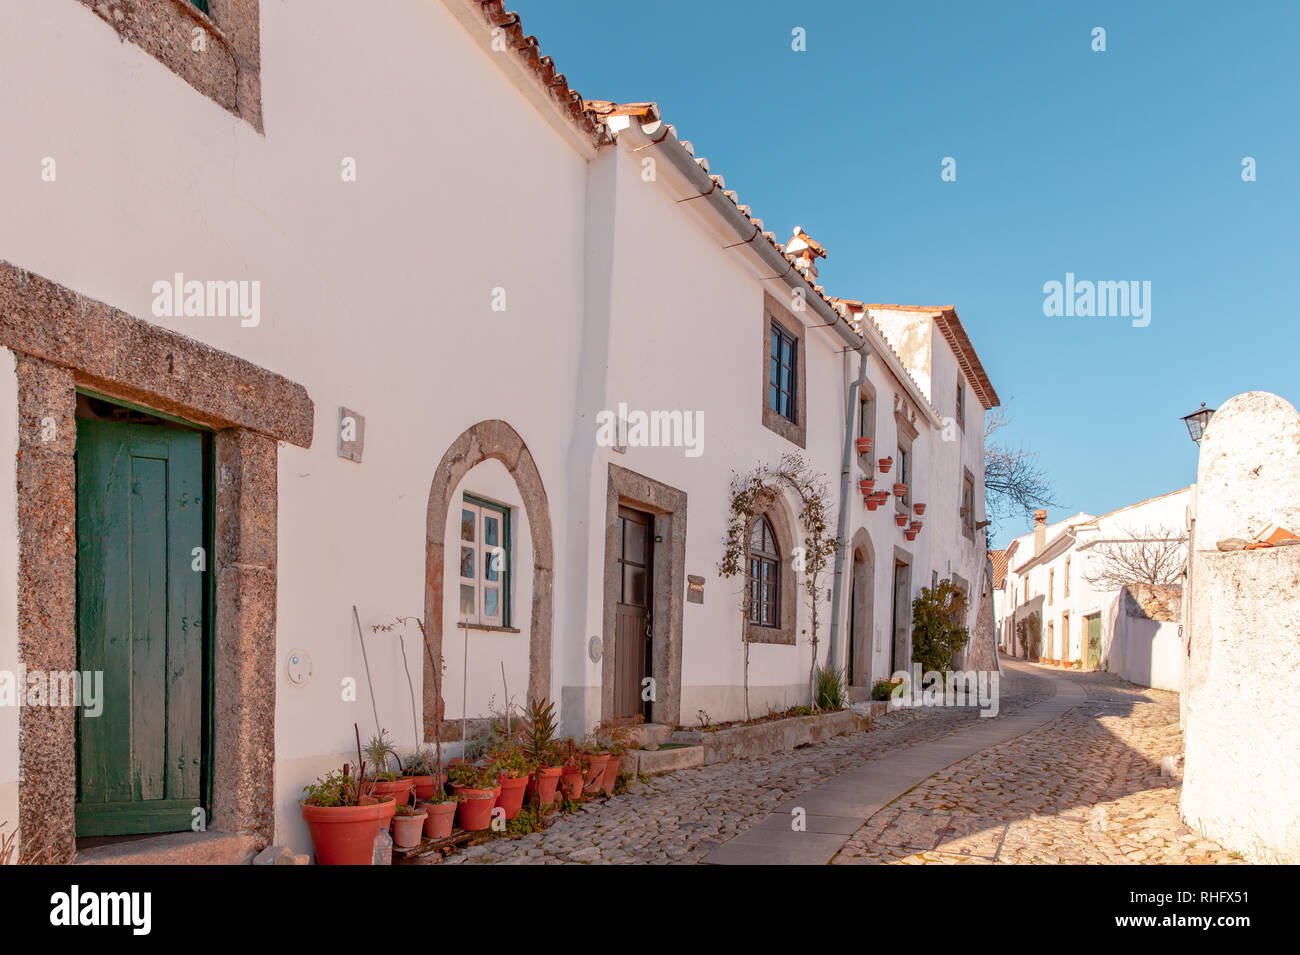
297	667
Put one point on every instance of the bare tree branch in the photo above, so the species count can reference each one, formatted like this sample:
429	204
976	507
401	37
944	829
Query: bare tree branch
1150	556
1014	482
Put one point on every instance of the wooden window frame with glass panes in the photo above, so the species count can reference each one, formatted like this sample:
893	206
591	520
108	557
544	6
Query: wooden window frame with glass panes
485	554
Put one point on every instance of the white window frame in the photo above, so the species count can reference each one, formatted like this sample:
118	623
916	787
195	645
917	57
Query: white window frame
482	553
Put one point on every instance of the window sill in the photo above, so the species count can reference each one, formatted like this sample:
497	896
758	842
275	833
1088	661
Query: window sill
491	628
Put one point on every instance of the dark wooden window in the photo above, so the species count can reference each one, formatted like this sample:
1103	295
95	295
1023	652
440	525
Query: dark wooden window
764	576
782	376
201	4
968	507
961	404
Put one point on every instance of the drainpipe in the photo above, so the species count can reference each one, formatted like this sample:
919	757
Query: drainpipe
846	478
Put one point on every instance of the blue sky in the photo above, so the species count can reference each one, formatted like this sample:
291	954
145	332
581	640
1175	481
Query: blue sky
1122	165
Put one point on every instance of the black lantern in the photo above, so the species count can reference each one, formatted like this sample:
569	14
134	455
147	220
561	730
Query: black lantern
1197	420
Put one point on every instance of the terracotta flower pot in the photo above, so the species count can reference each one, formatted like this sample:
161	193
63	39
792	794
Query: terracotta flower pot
407	829
900	489
541	788
866	485
440	816
512	790
474	811
399	789
885	464
914	526
426	786
919	509
572	779
900	519
595	772
611	774
910	535
871	503
864	445
343	835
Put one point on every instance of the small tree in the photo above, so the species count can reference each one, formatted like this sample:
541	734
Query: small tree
937	626
1014	482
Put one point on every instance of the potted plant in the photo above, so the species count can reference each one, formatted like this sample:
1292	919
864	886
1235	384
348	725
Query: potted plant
871	503
615	741
914	525
919	509
910	534
864	445
425	775
900	518
900	489
440	815
537	740
866	485
408	825
477	790
342	821
574	760
882	690
885	464
513	776
597	760
381	782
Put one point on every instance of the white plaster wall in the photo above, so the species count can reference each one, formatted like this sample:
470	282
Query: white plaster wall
9	715
375	294
1143	651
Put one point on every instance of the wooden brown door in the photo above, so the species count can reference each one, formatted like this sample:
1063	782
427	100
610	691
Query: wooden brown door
635	569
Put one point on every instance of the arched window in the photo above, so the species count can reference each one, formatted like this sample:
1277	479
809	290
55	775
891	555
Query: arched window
764	576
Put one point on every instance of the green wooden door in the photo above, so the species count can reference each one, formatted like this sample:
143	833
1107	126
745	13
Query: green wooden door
1093	626
140	620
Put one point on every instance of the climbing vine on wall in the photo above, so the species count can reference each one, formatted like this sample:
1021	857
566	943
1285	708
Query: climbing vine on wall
753	494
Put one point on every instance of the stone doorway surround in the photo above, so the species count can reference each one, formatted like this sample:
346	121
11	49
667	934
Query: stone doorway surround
498	441
668	505
64	341
862	593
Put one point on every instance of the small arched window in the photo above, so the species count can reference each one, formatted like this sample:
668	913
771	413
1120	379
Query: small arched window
764	576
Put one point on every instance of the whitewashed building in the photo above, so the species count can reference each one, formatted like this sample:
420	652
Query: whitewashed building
276	343
1050	574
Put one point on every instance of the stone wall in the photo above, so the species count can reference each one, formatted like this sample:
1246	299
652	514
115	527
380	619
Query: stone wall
1241	784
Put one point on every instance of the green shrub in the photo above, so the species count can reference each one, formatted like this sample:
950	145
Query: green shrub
937	631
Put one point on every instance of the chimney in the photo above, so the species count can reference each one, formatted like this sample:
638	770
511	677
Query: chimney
806	252
1040	531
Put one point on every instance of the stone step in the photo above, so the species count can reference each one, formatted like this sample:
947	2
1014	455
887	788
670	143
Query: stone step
648	762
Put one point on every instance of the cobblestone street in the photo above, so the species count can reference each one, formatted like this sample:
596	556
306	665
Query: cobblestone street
1085	788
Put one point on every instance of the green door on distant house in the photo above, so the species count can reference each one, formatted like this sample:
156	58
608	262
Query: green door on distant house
141	515
1092	636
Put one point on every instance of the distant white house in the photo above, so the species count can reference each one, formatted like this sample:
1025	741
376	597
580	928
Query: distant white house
1068	576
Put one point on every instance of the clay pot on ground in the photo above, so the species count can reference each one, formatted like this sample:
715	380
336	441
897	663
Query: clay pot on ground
595	772
407	829
541	787
474	811
864	445
885	464
399	789
344	835
572	781
919	509
439	818
611	774
512	789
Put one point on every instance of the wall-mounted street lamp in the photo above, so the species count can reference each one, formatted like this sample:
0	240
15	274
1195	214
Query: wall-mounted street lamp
1197	420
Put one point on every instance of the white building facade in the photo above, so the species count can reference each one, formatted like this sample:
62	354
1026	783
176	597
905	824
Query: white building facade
367	364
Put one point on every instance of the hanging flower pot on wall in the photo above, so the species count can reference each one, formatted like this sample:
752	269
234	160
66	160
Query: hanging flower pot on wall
900	519
866	485
871	502
864	445
900	490
910	535
914	526
919	508
885	465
